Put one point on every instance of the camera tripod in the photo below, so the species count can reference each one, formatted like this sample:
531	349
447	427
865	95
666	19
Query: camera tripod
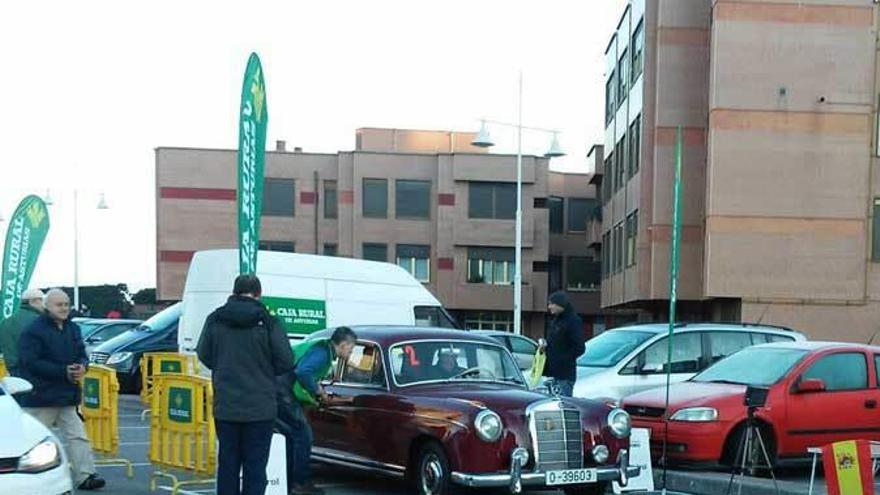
743	460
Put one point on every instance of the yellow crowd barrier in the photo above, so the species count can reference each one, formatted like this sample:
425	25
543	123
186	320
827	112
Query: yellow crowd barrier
155	363
182	435
3	371
100	410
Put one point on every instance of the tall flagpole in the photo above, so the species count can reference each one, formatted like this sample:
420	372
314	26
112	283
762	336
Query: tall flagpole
673	290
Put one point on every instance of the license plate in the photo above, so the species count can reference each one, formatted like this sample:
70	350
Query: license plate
570	477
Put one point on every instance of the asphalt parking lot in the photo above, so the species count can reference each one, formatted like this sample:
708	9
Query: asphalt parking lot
134	445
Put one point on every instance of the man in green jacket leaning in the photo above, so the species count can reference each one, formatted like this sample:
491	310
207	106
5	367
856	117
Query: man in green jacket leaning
302	389
11	328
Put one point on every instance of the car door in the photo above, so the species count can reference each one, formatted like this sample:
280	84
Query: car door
523	351
354	424
845	410
648	368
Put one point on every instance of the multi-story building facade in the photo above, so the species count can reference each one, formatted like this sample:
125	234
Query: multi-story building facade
777	103
426	200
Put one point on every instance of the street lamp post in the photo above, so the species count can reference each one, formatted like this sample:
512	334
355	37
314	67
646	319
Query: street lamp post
102	205
484	140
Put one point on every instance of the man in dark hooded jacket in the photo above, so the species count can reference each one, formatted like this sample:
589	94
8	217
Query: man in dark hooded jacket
246	349
564	343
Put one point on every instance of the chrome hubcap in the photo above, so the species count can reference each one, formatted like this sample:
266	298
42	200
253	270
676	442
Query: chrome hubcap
432	475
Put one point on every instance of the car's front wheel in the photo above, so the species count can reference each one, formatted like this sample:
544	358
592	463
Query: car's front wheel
431	474
597	489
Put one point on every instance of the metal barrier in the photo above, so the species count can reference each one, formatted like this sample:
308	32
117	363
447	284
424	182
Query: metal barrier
3	372
155	363
100	410
182	435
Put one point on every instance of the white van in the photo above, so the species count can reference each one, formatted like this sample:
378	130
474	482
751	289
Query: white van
309	293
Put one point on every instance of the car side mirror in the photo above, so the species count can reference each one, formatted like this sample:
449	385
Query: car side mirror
16	386
94	340
811	385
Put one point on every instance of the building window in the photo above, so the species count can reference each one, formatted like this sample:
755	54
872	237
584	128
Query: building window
635	139
489	320
638	50
490	266
583	273
606	254
281	246
608	178
875	232
412	199
279	197
619	166
375	252
554	273
376	198
330	249
331	205
618	248
416	260
495	200
623	152
622	78
557	214
579	210
610	97
632	230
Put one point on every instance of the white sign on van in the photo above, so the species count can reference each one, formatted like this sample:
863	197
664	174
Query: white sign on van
639	455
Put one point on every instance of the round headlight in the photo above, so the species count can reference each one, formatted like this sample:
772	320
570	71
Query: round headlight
619	423
600	454
488	425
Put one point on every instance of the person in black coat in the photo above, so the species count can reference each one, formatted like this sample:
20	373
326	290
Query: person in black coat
52	357
564	343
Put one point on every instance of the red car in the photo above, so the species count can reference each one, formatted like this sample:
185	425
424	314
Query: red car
445	407
819	393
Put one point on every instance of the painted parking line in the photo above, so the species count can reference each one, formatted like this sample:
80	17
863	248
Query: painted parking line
187	492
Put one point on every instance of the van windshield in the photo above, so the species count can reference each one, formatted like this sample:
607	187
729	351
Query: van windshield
433	316
162	320
607	349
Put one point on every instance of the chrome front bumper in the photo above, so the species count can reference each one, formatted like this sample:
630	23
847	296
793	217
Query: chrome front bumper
516	478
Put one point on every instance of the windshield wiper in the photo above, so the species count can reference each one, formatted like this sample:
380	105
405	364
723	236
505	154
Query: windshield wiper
728	382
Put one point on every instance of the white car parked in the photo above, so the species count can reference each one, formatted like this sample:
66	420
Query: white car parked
32	461
626	360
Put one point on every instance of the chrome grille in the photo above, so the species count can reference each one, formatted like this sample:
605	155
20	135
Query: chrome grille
99	357
557	437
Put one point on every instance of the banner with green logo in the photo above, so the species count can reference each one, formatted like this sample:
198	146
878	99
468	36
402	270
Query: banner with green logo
299	316
180	409
251	163
92	393
24	238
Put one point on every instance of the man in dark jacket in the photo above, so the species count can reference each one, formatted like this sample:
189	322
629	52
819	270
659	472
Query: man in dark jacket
246	349
12	327
52	357
564	343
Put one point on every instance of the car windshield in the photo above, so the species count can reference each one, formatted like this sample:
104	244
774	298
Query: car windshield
88	328
756	366
433	361
162	320
607	349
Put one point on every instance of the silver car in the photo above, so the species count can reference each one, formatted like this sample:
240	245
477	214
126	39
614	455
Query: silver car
626	360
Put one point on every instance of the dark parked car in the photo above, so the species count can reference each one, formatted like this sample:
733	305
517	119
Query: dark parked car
124	352
443	407
96	331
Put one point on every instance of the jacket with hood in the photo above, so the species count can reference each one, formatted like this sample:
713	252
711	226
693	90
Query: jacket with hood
10	332
246	349
565	341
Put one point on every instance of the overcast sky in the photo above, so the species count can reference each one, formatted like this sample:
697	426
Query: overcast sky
93	87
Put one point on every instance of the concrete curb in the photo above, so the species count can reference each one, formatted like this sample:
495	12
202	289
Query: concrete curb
709	483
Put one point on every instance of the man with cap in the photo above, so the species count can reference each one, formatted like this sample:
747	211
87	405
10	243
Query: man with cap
11	328
564	343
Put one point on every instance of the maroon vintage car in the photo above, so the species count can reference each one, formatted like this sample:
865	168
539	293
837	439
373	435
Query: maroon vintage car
445	407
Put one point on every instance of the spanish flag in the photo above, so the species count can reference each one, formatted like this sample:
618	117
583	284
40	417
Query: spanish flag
848	468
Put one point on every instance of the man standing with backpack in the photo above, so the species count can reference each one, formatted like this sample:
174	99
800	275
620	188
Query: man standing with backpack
246	349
